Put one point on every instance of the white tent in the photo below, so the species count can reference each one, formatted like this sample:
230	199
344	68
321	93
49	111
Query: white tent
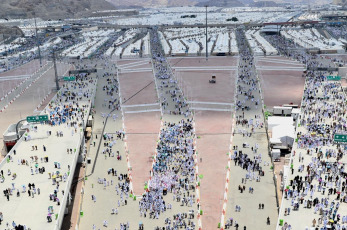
286	133
277	120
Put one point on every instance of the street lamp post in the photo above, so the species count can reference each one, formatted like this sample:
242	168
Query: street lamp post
37	40
55	71
206	36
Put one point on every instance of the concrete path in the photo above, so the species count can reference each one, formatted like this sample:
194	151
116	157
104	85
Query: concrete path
264	190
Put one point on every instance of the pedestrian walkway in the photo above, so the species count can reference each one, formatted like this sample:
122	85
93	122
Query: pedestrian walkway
43	161
108	198
251	196
107	174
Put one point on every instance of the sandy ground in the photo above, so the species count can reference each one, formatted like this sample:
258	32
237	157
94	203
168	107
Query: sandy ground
131	83
287	85
213	130
201	61
197	87
142	130
134	64
26	69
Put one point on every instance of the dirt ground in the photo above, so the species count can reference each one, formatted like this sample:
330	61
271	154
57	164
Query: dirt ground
286	84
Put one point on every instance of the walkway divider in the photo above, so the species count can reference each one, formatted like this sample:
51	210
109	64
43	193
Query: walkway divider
125	136
143	111
140	105
209	103
227	179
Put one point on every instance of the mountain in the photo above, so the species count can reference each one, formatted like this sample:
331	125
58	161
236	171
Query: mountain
264	4
163	3
152	3
51	9
221	3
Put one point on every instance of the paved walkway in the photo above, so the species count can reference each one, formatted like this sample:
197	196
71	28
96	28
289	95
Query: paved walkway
38	159
106	197
96	213
250	148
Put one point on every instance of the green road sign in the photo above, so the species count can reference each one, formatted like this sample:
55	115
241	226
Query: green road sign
38	118
340	138
69	78
334	78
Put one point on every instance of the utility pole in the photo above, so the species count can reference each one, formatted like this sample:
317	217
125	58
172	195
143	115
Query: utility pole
37	40
206	36
55	71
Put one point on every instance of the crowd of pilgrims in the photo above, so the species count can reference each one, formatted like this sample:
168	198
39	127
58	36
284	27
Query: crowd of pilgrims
166	82
323	112
66	107
247	86
174	168
246	99
27	51
173	171
319	185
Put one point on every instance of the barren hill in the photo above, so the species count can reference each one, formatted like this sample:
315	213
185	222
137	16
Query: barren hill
51	9
163	3
222	3
152	3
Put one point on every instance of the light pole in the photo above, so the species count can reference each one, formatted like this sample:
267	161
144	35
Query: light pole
206	35
37	40
55	71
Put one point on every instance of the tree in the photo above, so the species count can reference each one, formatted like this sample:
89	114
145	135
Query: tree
234	19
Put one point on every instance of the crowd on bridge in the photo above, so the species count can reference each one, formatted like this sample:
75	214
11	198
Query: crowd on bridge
67	111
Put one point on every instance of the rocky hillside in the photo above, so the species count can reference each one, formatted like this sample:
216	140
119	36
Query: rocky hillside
51	9
163	3
153	3
222	3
